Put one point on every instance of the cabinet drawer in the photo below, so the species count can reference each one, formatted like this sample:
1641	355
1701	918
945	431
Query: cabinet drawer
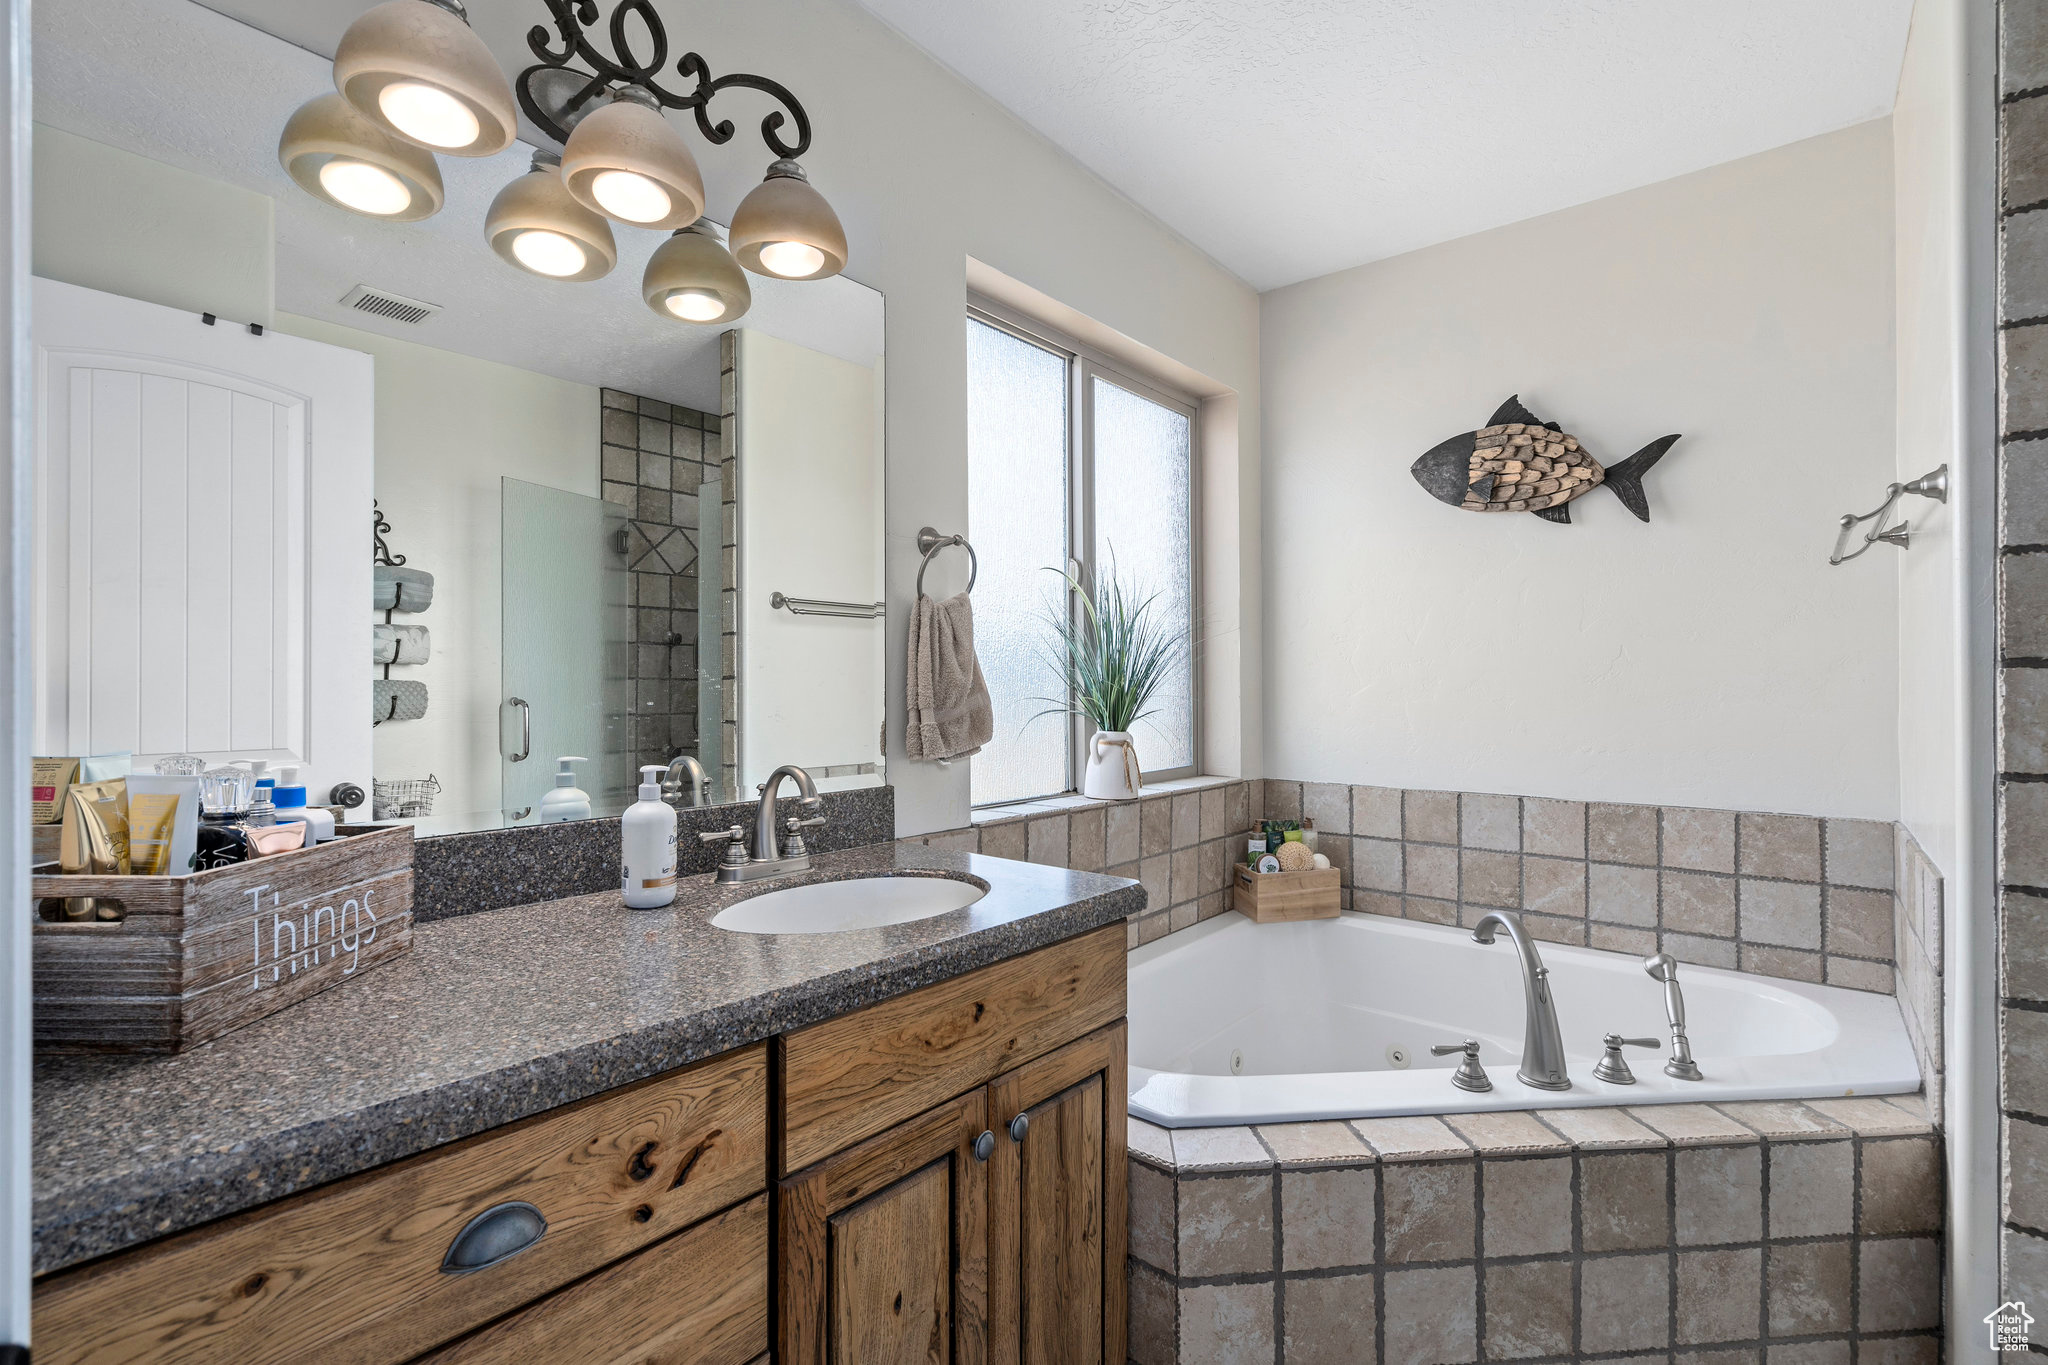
698	1298
852	1077
353	1273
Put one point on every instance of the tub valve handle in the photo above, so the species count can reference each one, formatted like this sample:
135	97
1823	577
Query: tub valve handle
1469	1075
1613	1067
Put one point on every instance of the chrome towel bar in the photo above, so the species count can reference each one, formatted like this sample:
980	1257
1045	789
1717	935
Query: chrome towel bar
814	606
1931	485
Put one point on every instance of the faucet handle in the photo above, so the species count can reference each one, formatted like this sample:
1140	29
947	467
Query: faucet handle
1613	1067
1469	1075
735	841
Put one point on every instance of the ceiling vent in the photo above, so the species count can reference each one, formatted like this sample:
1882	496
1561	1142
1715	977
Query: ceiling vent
397	307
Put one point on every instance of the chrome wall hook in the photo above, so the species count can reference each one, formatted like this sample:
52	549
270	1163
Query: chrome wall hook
1930	485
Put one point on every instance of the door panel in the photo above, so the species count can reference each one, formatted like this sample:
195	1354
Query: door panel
890	1255
1060	1201
201	582
883	1249
1057	1207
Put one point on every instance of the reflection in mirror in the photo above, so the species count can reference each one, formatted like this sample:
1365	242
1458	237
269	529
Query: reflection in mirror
585	506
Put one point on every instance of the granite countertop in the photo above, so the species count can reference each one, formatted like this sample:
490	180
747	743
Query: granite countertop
492	1017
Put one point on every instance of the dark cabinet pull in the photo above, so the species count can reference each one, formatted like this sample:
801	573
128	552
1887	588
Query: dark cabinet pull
497	1234
984	1146
1019	1126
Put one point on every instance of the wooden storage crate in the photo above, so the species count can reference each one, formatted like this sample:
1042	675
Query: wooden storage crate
1271	897
203	954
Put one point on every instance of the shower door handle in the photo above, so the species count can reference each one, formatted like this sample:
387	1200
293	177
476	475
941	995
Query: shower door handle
525	730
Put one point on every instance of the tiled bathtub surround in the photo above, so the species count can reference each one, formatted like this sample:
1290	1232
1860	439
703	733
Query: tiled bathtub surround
1781	895
1179	843
1682	1233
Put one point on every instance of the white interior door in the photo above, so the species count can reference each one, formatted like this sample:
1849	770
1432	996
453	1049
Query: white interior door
203	506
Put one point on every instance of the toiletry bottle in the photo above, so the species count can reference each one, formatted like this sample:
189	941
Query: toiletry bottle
566	801
290	799
648	835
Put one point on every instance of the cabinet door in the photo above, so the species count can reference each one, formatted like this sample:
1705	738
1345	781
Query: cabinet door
1057	1215
884	1247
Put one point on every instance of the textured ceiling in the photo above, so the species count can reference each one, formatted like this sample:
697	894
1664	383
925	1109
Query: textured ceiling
1291	138
146	76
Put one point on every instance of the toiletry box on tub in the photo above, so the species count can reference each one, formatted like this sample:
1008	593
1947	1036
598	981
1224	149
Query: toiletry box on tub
197	956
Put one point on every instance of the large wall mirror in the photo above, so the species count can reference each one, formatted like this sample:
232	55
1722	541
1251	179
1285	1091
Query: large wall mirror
443	522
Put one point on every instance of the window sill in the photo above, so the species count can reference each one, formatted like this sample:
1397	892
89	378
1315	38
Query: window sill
1073	801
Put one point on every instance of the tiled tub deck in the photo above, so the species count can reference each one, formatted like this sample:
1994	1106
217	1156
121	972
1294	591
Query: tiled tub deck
1766	1233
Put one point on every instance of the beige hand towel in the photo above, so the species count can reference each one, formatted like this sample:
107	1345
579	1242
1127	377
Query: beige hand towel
950	713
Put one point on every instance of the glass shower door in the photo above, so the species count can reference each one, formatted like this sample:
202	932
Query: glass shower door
568	631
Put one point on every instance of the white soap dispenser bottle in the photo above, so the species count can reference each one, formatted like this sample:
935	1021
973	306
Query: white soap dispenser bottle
648	836
566	801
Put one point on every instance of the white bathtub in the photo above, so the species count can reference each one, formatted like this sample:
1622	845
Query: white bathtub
1234	1022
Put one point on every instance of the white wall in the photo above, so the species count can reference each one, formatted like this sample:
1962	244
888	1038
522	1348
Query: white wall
810	525
1926	150
927	172
111	220
449	428
1710	657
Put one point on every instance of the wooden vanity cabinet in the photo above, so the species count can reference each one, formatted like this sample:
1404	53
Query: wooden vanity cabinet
991	1227
938	1177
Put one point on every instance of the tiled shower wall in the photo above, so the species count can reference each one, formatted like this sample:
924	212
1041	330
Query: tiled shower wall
2023	649
1851	903
655	456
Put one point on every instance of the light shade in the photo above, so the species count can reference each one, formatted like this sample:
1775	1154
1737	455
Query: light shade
336	154
537	225
415	68
692	278
626	161
785	229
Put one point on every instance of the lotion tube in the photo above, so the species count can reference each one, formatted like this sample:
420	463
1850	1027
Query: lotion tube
648	841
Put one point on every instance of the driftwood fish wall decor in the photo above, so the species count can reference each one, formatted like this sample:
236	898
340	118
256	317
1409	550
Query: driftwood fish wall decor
1520	463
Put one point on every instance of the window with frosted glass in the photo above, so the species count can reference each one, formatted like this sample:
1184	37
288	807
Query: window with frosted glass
1017	424
1144	536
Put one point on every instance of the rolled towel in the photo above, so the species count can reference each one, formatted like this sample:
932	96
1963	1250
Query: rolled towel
402	589
401	644
397	699
950	715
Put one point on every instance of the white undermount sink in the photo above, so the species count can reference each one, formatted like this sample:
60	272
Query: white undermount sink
836	907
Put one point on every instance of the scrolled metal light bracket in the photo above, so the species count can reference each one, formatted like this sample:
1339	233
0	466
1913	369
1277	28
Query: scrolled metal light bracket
555	95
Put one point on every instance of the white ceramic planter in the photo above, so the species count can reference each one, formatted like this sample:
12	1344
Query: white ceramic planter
1112	773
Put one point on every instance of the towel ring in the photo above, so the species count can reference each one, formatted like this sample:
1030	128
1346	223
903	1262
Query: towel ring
931	542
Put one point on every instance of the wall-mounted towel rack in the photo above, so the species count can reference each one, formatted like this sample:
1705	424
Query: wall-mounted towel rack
816	606
1930	485
930	542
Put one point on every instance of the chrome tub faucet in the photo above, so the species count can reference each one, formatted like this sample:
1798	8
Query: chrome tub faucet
1542	1046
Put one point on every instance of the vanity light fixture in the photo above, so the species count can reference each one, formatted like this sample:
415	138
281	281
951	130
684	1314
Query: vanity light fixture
416	67
413	79
336	154
786	229
629	163
537	225
693	278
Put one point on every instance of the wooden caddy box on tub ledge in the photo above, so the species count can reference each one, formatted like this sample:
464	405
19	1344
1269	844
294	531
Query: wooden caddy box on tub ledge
197	956
1274	897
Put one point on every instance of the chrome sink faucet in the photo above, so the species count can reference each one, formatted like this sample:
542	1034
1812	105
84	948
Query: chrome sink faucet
681	769
1542	1045
768	857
